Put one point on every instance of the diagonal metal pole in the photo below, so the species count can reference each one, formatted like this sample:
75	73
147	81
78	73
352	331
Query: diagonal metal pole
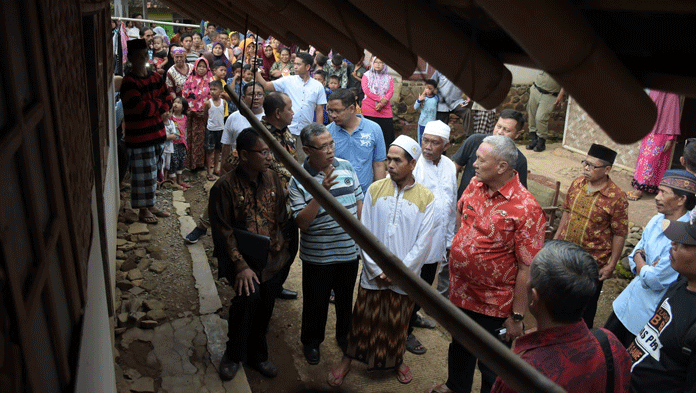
516	372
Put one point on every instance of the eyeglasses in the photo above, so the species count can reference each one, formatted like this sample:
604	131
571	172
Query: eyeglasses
265	153
591	165
325	148
335	111
257	95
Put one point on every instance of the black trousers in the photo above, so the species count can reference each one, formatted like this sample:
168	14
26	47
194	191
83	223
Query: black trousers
292	234
461	363
428	273
464	113
591	310
615	326
387	125
248	322
317	283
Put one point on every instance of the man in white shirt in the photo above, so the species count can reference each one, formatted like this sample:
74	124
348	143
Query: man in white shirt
307	95
439	174
236	122
399	212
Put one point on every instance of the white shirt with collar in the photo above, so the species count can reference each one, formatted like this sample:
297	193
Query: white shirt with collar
441	180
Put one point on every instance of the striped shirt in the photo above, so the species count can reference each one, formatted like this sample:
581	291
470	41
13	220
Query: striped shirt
144	101
325	242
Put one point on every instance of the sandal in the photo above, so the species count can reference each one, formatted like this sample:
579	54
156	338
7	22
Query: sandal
211	177
425	323
160	213
404	376
149	219
337	378
634	195
415	346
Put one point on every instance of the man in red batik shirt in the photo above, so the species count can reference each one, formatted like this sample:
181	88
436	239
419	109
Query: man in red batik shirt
563	278
501	230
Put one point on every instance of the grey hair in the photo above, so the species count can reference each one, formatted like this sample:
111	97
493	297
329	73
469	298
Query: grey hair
504	148
311	130
565	276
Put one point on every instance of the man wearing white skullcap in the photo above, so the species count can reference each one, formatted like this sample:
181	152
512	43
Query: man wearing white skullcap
400	213
438	173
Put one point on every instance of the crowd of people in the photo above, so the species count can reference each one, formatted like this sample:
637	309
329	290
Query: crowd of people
483	239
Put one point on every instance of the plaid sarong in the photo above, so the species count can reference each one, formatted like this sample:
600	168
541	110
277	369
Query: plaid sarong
484	121
144	163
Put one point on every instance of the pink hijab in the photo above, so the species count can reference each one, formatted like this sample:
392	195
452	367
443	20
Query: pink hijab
198	86
378	81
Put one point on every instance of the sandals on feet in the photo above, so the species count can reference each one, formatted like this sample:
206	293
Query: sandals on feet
404	376
148	219
160	213
211	177
415	346
336	380
424	323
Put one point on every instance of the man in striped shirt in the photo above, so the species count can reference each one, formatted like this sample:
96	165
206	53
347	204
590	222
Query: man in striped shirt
329	255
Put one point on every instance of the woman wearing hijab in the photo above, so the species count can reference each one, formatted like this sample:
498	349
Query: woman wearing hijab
378	87
268	60
197	92
179	72
218	50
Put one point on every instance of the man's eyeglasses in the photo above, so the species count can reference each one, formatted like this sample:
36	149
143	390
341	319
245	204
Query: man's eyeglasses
591	165
335	112
265	153
257	95
325	148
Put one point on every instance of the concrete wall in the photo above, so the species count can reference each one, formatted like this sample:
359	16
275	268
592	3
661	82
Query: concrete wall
95	371
581	132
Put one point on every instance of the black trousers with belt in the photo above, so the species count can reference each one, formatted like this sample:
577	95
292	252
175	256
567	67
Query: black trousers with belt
317	283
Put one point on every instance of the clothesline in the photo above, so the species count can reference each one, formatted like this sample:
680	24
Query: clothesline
159	22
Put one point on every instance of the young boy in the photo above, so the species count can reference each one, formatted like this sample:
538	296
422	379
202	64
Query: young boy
320	75
236	86
427	103
219	74
247	73
216	122
334	82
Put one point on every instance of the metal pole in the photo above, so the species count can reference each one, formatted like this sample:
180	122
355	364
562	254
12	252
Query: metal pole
159	22
516	372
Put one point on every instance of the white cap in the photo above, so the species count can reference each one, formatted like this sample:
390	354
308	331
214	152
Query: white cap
438	128
409	145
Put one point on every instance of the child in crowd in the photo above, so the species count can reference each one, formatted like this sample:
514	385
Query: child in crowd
427	103
320	75
159	54
219	74
178	159
334	82
356	92
236	86
247	73
216	121
168	147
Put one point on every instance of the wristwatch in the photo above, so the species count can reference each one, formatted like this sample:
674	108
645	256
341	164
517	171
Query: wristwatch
517	317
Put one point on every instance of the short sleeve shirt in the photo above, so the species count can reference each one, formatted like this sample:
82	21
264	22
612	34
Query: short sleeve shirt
595	218
363	147
235	123
496	234
305	97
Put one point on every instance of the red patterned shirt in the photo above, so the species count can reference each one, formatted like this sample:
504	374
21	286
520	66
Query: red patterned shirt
572	357
595	218
496	233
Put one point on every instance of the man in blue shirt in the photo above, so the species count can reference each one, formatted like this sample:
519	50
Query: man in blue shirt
358	140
